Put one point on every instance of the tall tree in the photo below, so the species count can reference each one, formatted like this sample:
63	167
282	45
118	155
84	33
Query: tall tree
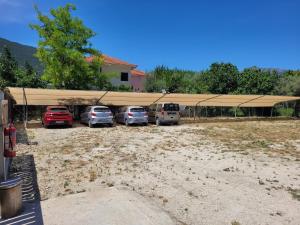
28	77
288	84
171	80
64	43
8	69
257	81
222	78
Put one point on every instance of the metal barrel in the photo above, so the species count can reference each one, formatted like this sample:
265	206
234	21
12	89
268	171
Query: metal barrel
10	197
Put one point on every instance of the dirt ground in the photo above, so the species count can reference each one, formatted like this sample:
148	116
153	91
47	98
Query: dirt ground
205	173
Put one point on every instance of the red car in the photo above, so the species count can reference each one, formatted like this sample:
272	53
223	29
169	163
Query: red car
57	115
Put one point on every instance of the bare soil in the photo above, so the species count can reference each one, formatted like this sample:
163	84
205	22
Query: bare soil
205	173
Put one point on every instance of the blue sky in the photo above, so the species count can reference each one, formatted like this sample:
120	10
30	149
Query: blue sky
185	34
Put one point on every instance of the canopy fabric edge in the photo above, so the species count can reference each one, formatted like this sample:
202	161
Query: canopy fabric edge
35	96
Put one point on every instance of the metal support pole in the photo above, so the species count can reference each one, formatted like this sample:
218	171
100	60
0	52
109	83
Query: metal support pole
272	112
24	108
235	111
98	100
199	114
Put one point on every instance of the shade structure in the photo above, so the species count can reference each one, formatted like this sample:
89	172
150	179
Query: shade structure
32	96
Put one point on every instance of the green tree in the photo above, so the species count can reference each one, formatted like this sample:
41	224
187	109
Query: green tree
288	84
171	80
63	45
257	81
201	83
222	78
8	69
28	77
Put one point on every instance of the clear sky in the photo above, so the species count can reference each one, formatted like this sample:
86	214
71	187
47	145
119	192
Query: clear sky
187	34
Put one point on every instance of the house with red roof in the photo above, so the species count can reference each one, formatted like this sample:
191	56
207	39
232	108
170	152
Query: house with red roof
124	73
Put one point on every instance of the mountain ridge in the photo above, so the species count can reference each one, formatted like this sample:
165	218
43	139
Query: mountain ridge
22	53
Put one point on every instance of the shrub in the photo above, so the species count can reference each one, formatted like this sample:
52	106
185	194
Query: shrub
239	112
287	112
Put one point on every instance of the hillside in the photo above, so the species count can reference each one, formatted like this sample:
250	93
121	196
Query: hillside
22	53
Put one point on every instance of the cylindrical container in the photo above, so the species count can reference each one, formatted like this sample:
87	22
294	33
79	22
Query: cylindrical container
10	197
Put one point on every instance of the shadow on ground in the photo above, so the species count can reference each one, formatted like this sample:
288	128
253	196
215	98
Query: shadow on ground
24	167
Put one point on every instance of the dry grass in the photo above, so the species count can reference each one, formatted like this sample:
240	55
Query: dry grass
272	138
295	193
185	169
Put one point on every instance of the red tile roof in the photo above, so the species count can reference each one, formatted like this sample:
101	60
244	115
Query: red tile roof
111	60
137	73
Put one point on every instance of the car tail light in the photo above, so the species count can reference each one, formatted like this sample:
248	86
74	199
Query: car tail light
93	114
145	114
130	114
162	112
110	113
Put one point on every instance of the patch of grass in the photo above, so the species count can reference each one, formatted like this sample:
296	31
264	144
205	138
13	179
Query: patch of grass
67	148
110	184
66	184
295	193
235	223
93	175
30	134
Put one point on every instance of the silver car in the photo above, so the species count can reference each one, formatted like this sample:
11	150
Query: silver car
132	115
164	113
94	115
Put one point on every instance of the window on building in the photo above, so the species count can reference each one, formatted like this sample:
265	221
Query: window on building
124	76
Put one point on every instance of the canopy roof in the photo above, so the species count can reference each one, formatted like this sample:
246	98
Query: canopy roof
31	96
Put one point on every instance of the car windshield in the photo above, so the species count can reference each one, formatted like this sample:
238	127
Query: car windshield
101	109
58	110
137	110
171	107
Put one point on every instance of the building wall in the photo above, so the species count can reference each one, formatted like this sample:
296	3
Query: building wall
137	82
118	69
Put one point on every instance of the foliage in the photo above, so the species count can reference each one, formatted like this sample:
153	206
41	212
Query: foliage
171	80
29	78
62	49
22	54
288	84
286	112
13	75
123	88
236	111
257	81
222	78
8	68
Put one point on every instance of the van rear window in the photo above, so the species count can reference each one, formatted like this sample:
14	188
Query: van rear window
101	110
137	110
171	107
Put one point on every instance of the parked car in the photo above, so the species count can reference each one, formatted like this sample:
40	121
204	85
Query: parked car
57	115
164	113
94	115
132	115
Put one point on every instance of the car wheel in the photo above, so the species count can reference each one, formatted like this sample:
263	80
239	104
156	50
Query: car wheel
90	124
157	122
145	124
